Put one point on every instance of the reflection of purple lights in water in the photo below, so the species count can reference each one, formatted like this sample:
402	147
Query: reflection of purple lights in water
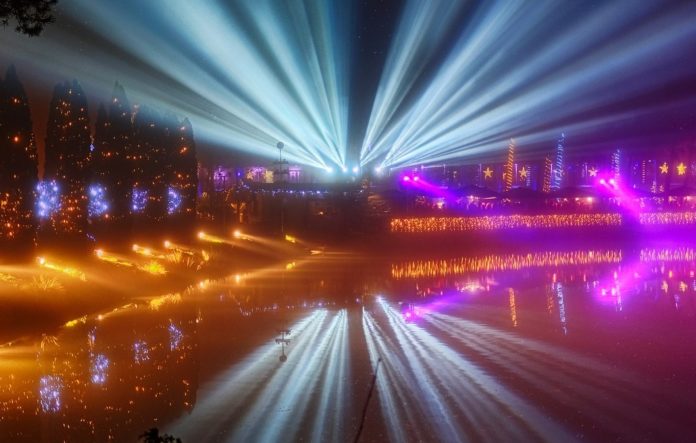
141	352
98	369
50	387
175	337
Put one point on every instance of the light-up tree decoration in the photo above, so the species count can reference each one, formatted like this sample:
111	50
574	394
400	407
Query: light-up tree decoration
68	140
18	162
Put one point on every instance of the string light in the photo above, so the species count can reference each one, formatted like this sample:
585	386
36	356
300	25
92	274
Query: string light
98	205
502	262
139	200
173	200
48	199
667	218
546	221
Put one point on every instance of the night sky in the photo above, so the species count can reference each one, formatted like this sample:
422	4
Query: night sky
657	115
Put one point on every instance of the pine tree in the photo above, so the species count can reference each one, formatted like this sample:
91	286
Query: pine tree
18	168
68	143
186	171
111	158
149	163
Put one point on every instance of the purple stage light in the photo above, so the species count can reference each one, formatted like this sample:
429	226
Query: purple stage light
406	178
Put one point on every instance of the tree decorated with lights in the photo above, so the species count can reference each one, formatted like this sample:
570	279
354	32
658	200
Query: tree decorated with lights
185	170
546	179
509	163
68	141
111	158
18	165
149	164
558	164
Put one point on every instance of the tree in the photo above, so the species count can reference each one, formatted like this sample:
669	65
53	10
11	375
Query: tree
68	141
149	162
186	170
152	435
18	168
111	158
31	16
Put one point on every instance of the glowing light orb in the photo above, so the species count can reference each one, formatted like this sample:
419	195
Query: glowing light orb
98	204
174	201
48	200
139	200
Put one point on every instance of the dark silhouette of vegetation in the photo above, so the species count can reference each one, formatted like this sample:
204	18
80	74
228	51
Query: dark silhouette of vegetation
30	16
18	162
68	140
138	171
152	435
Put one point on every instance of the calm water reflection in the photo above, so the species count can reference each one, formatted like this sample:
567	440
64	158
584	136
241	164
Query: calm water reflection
593	344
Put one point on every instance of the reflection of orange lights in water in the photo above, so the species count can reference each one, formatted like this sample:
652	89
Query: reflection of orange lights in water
71	272
156	303
668	218
495	222
668	254
504	262
153	268
513	307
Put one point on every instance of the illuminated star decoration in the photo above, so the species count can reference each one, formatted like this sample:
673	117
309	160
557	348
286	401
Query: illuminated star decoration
681	169
593	172
488	172
664	168
523	172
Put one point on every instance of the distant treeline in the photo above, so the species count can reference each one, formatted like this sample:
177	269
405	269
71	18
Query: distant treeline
138	168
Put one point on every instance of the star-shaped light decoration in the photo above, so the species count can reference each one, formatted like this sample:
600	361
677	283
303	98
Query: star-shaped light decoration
681	169
488	172
523	172
593	172
664	168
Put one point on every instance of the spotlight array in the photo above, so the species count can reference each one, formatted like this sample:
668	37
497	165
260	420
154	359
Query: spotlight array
516	70
459	79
